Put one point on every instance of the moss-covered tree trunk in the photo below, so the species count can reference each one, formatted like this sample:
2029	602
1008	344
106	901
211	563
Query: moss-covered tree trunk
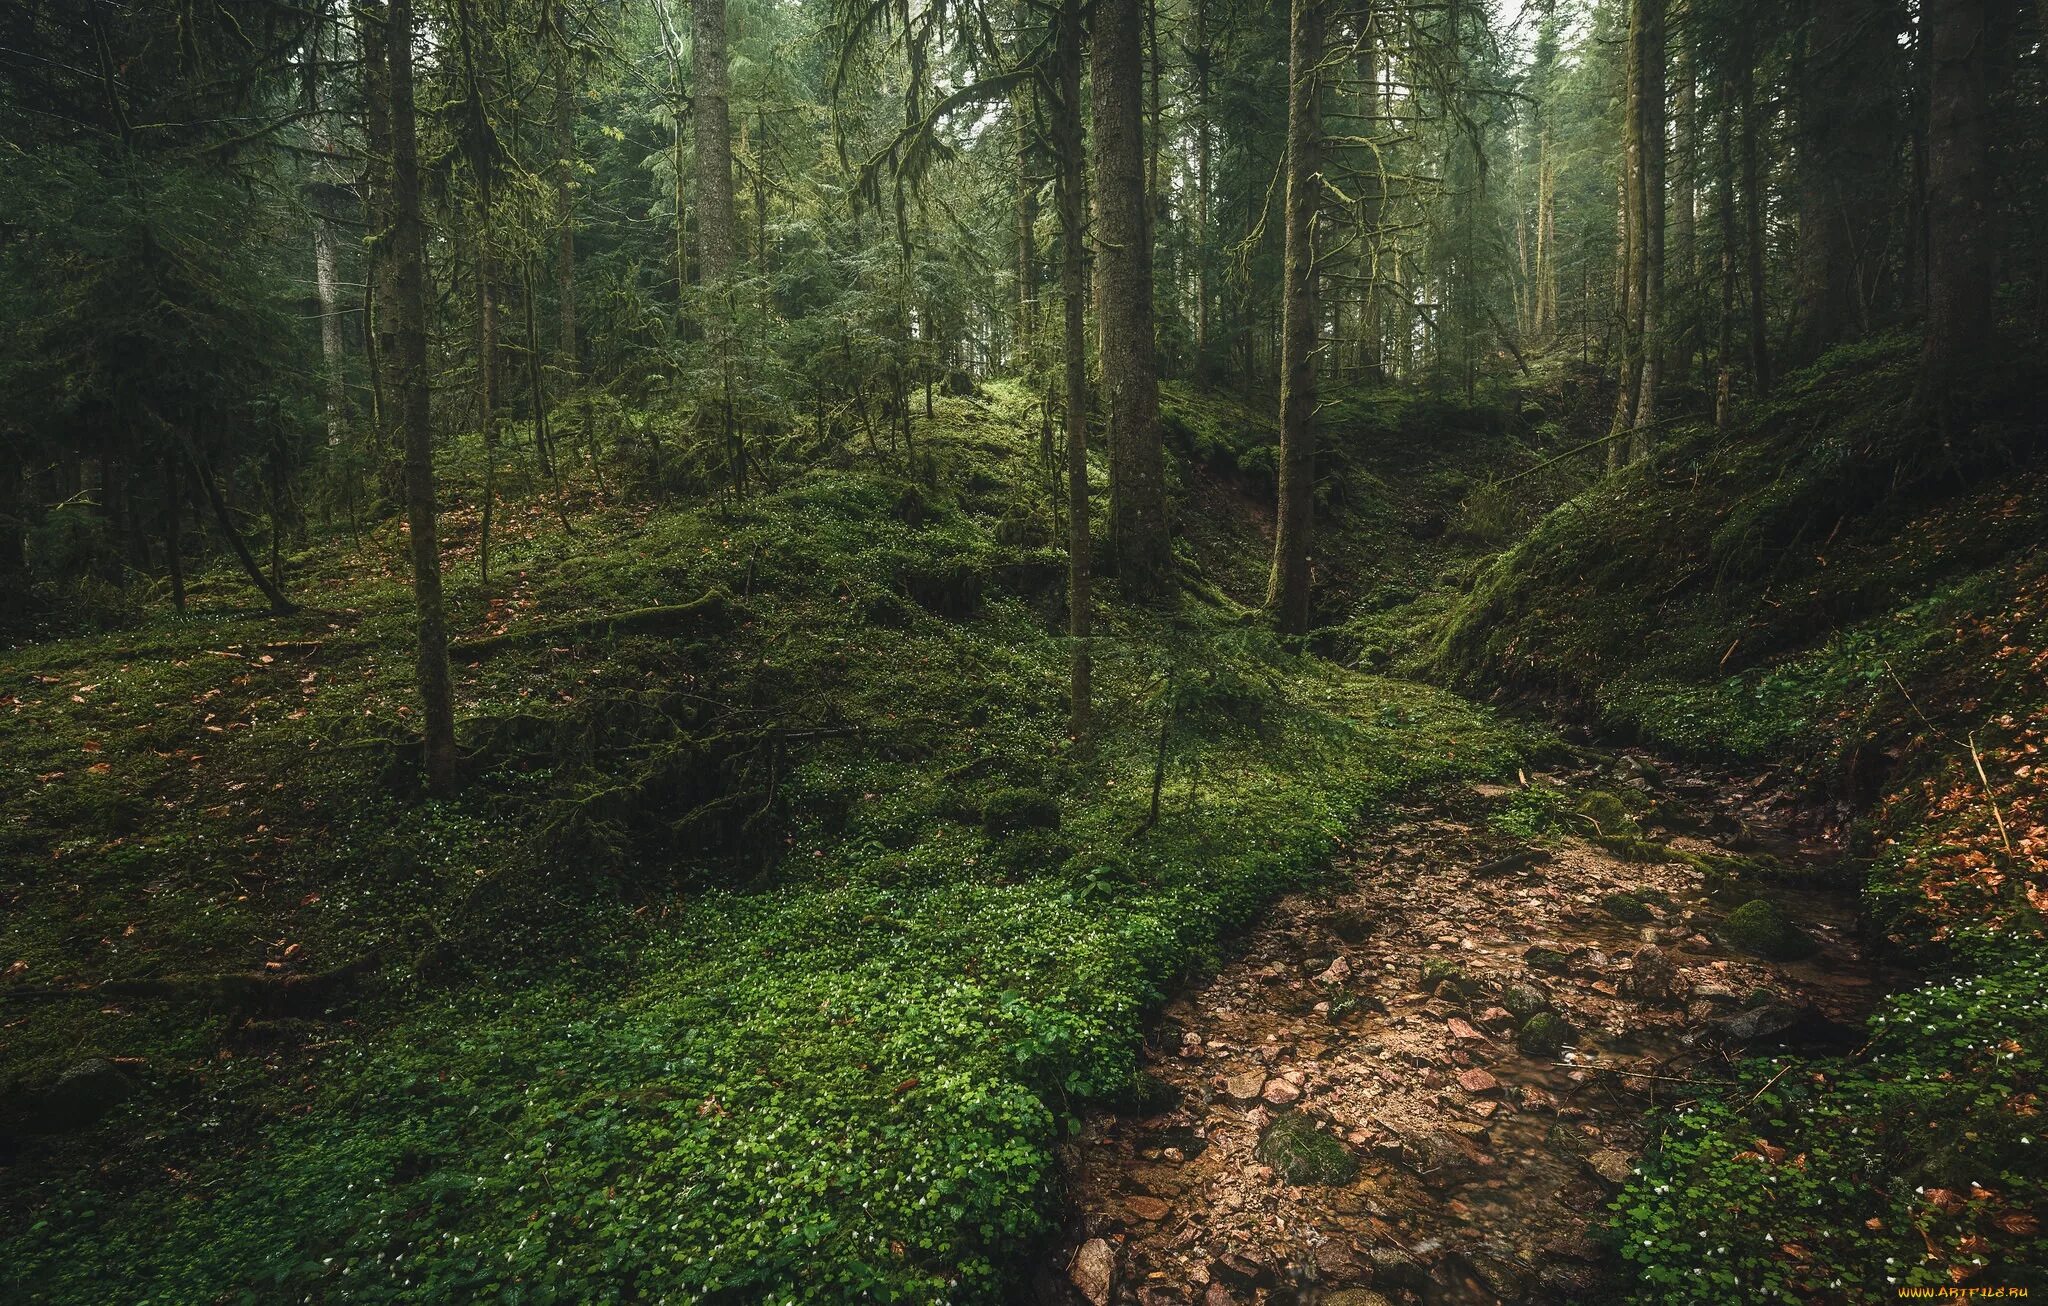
710	102
1123	287
1287	588
1068	145
407	243
1649	50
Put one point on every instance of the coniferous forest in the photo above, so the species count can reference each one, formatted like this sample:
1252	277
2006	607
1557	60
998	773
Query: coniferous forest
1307	652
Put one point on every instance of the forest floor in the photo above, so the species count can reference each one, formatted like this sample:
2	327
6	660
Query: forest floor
1427	1081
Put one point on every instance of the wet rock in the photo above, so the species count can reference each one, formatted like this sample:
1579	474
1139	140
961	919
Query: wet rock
1463	1032
1612	1166
1279	1092
1149	1209
1302	1154
1544	1036
1093	1271
1760	929
1245	1087
1652	976
1397	1271
1240	1271
1786	1023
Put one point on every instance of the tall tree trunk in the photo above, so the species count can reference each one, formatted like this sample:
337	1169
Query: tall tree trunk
1959	189
1201	56
1068	144
1844	182
372	37
1753	220
1123	277
1724	219
408	253
1026	217
1287	589
710	99
1683	317
1634	245
1650	205
567	357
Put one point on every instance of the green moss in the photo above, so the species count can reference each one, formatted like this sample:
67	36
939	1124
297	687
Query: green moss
1302	1154
1760	928
1523	1001
1627	907
1010	810
1441	976
1544	1035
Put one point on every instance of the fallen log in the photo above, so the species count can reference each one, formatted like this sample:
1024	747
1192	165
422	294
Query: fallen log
714	610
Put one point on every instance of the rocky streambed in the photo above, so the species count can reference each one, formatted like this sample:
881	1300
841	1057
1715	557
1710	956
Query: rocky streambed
1424	1084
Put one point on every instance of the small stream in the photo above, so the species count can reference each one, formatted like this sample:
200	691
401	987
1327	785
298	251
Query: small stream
1358	1110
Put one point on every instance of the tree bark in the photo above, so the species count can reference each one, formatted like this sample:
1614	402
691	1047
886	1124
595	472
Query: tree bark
711	101
408	253
1123	287
1287	588
567	356
1753	221
1634	246
1074	293
1959	192
1724	218
1201	56
1650	211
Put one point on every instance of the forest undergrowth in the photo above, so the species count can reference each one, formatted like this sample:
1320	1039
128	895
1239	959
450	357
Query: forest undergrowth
775	941
1860	614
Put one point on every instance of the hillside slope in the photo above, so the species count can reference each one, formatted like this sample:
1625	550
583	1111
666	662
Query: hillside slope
1843	600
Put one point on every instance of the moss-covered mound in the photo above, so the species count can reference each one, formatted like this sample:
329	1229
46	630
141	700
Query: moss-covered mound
1835	592
1302	1154
1760	928
1544	1035
752	966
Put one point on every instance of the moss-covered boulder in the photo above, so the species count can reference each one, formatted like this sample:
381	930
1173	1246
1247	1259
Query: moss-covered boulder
1626	907
1442	977
1544	1034
1547	959
1524	1000
1008	810
1760	929
1302	1154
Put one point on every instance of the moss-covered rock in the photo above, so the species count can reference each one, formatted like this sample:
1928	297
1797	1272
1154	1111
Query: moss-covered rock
1547	959
1626	907
1524	1000
1441	976
1302	1154
1544	1034
1760	929
1008	810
